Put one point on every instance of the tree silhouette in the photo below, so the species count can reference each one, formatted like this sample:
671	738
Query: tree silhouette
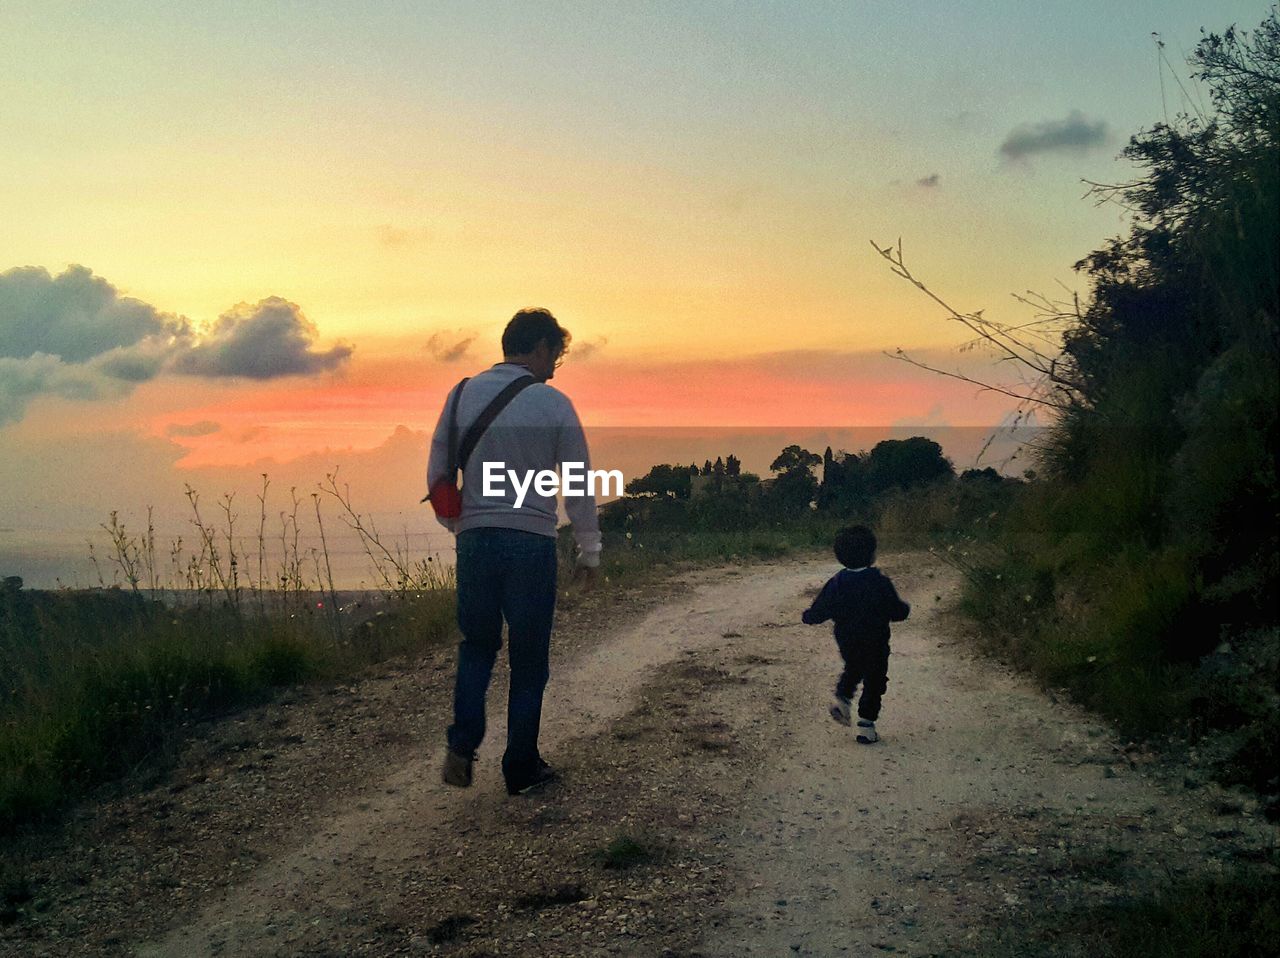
663	480
793	459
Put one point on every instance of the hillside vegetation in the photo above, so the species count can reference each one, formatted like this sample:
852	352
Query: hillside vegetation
1142	572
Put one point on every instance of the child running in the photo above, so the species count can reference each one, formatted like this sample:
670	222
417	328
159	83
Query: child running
862	601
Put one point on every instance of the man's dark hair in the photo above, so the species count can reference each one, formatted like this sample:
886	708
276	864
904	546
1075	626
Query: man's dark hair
855	547
530	327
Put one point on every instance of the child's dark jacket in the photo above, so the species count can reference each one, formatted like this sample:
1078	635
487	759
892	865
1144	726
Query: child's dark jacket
862	603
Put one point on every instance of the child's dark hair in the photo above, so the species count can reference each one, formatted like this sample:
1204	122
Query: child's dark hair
855	547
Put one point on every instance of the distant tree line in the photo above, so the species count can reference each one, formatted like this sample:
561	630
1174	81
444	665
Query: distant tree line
802	481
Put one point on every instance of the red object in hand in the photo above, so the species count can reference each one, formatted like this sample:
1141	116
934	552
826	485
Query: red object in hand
446	499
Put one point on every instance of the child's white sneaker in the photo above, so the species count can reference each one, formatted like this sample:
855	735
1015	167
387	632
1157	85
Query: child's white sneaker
841	712
867	732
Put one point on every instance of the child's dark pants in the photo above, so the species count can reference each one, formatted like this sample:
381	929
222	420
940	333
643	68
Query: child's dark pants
865	662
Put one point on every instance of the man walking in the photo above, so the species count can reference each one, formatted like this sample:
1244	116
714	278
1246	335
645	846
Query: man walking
506	555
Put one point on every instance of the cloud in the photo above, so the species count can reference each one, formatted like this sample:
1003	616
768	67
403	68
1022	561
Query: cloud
966	120
1075	134
21	380
264	341
396	237
141	362
74	335
587	348
935	417
449	347
76	316
205	427
929	182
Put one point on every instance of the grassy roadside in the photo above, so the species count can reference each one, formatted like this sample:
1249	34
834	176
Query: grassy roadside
98	686
1048	595
1128	630
1231	916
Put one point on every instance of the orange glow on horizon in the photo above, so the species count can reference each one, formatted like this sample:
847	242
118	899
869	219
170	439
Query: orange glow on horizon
282	421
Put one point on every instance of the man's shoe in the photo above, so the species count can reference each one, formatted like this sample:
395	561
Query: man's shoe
542	776
457	769
867	732
840	711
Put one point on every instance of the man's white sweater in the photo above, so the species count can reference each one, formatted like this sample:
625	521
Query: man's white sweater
538	430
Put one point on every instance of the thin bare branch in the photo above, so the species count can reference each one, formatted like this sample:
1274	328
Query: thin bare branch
972	321
1040	400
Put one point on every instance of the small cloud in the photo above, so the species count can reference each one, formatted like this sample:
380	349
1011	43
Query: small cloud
395	237
587	348
449	347
205	427
965	120
1075	134
264	341
936	417
929	182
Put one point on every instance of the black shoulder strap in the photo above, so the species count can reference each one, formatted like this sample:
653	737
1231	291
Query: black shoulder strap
490	413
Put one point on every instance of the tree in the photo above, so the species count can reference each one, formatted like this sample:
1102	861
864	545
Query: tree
662	480
795	459
795	486
906	462
732	466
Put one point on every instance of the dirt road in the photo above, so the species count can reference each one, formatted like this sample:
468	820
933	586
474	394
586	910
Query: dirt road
708	805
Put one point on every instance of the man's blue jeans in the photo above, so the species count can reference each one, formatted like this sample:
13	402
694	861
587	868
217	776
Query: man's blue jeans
503	574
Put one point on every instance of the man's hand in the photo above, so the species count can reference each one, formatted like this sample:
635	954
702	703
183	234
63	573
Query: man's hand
585	577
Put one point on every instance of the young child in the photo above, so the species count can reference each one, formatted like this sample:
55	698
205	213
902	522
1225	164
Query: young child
863	602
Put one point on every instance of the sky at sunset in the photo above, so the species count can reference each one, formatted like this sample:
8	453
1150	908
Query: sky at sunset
257	237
